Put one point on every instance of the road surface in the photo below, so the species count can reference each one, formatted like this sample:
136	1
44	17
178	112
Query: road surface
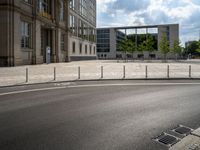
106	115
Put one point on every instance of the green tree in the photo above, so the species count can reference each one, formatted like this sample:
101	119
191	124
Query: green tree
177	49
131	47
123	46
164	46
126	45
149	43
192	48
198	48
142	47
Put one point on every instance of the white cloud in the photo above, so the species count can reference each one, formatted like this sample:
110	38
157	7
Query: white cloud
126	12
102	5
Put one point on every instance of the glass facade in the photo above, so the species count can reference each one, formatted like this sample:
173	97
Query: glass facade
119	37
82	20
107	46
103	40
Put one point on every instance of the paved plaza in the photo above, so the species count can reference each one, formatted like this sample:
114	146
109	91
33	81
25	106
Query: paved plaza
95	70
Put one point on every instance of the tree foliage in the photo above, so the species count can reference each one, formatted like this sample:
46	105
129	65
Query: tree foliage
149	43
177	49
192	49
164	45
198	48
142	47
126	45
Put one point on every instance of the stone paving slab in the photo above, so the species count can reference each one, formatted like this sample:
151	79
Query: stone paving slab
196	132
188	143
92	70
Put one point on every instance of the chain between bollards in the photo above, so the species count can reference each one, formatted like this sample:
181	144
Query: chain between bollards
26	75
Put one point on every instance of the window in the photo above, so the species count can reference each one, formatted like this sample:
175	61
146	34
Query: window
72	23
72	4
62	42
94	50
85	49
80	48
27	1
25	35
85	31
61	10
73	47
80	26
44	6
90	49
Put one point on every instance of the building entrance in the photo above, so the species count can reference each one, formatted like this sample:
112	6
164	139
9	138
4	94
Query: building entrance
46	45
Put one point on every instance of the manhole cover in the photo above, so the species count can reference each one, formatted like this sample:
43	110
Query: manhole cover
167	139
183	130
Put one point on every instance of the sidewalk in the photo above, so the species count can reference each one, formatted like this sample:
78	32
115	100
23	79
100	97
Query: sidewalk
95	70
191	142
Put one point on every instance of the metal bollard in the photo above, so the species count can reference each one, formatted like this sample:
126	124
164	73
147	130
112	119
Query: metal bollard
26	75
54	73
190	71
79	73
168	71
124	72
101	72
146	72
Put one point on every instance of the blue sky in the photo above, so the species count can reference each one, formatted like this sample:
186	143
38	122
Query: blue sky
148	12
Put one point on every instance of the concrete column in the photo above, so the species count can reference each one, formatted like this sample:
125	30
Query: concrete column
146	32
54	45
53	9
136	39
34	32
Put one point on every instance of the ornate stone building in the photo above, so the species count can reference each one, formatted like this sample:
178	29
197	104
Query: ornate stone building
28	27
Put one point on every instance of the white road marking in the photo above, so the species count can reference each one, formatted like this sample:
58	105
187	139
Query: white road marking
134	84
96	85
34	90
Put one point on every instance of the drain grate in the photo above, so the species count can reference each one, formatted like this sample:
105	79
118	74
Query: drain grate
183	130
167	139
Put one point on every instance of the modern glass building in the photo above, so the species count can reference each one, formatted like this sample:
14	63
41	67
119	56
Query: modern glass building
37	31
109	38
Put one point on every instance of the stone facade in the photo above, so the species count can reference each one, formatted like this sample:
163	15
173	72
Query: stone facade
28	27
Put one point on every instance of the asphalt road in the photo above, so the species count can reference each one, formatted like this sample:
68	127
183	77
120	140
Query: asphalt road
111	115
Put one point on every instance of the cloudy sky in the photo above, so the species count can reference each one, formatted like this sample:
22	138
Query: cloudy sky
149	12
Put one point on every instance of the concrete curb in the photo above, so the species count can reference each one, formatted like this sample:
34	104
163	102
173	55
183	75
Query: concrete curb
135	79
